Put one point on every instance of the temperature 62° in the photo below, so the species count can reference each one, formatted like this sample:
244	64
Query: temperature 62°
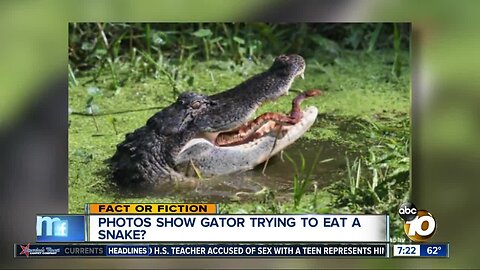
433	250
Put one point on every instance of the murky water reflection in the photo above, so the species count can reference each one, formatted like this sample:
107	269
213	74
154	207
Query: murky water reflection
277	177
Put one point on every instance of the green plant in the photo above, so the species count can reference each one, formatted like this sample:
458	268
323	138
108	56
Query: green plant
396	68
92	109
302	178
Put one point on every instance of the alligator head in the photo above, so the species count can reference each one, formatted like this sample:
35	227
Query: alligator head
214	134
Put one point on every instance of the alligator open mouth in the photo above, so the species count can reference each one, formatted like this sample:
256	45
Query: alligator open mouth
270	123
251	143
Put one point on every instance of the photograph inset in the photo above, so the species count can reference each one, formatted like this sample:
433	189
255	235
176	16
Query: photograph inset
262	118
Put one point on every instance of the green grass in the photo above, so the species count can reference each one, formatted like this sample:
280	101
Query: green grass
302	178
365	110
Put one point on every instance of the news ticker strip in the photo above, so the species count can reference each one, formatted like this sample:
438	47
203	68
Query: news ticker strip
151	208
421	250
203	250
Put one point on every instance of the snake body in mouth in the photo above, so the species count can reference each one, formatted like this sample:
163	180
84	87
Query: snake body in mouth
266	122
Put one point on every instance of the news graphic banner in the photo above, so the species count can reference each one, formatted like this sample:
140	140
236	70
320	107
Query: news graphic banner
196	230
238	228
201	223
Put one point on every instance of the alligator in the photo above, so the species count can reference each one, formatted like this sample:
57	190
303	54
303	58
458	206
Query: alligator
213	135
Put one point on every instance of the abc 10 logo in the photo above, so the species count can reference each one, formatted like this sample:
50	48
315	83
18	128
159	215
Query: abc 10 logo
420	225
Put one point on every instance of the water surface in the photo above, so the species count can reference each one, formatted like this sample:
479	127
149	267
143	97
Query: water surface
276	177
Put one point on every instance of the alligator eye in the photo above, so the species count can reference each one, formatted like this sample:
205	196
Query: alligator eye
195	105
283	57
